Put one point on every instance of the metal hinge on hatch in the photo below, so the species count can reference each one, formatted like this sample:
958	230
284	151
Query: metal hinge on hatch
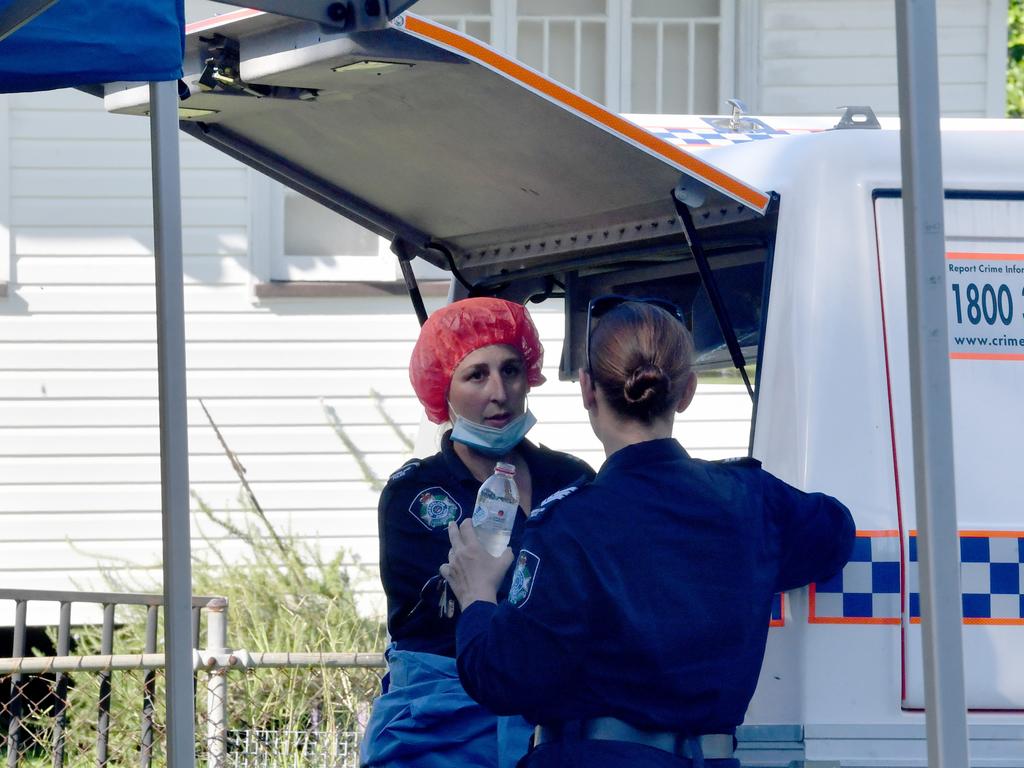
222	72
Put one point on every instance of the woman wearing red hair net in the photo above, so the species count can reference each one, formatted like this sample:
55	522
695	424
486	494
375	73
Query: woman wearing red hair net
473	366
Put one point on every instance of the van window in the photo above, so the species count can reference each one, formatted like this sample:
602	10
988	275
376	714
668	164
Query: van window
741	280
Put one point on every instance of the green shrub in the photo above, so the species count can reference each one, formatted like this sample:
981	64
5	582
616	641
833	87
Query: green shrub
1015	60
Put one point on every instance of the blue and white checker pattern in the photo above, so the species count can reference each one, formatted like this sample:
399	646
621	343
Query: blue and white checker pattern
991	578
867	588
778	618
713	137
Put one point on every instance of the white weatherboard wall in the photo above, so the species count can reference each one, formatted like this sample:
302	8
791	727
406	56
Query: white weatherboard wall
79	460
816	55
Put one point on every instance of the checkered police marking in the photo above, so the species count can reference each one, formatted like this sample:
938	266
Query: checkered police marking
714	137
778	618
435	508
524	577
991	577
867	591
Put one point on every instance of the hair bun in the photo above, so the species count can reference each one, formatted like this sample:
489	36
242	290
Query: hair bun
647	386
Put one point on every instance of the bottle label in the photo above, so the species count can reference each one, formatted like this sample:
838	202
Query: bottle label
488	495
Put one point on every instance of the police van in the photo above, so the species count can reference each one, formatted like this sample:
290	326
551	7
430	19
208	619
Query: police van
781	239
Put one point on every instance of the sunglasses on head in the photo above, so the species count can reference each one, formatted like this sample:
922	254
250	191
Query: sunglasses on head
602	305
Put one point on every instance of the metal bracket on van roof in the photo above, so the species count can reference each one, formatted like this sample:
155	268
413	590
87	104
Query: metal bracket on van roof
857	117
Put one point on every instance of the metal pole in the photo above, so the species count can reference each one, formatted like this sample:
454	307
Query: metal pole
16	15
149	690
14	707
239	659
931	409
103	718
61	685
170	320
217	684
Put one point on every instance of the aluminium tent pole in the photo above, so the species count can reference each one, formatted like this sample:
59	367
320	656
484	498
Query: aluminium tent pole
19	13
931	405
170	319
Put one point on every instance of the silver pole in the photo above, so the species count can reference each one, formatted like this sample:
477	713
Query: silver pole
170	321
16	15
931	409
217	685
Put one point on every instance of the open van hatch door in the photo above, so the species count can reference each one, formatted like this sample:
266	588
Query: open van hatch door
452	151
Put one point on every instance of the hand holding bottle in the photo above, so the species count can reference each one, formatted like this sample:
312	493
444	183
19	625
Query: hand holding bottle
471	572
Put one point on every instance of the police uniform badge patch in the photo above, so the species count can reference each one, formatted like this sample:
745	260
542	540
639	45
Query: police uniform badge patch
435	508
404	470
540	509
524	577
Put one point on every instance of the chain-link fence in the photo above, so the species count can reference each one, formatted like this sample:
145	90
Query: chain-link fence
106	707
302	714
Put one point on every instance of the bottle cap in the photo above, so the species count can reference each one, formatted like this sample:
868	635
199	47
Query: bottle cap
505	467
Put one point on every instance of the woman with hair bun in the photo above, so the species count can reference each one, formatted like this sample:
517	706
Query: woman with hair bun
473	366
636	621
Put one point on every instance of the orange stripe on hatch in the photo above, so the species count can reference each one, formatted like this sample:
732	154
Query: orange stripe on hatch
752	197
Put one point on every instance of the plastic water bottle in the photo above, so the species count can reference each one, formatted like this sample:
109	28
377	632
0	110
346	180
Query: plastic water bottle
496	506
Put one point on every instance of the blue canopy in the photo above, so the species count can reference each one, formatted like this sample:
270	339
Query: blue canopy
87	42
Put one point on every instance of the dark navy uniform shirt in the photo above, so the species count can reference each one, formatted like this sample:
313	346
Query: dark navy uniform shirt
646	594
415	508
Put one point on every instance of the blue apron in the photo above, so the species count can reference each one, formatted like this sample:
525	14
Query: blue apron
425	719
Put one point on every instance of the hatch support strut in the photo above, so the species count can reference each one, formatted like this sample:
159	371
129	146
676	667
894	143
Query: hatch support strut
707	279
406	254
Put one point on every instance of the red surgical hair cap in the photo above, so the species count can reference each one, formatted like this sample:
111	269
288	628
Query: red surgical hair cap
459	328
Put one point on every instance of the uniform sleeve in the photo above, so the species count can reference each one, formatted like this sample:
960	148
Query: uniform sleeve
515	656
409	557
816	533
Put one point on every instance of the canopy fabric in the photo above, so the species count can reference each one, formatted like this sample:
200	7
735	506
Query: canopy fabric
88	42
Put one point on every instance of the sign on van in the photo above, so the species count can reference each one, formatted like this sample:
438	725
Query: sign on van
985	305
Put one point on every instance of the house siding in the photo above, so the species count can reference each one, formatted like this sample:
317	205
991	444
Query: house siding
79	435
817	54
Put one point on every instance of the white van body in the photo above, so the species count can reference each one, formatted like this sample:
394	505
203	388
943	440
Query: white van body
833	413
526	190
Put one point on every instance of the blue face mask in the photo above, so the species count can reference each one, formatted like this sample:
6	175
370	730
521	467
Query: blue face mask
493	442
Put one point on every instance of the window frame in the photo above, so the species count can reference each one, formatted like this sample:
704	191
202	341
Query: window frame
266	244
379	267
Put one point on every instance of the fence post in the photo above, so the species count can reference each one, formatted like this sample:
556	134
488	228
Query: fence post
61	685
217	684
103	719
17	650
149	689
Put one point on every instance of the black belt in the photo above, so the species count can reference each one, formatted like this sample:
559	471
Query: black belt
712	746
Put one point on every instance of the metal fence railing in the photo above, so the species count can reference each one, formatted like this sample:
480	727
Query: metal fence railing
103	709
